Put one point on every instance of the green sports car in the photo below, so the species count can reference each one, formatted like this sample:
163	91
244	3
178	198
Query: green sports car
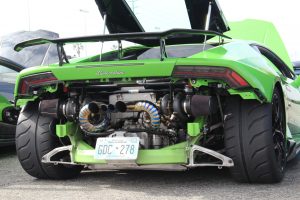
188	90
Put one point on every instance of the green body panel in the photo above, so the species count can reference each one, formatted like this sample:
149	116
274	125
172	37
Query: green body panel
296	138
175	154
63	130
4	103
22	102
84	153
237	55
194	129
243	59
261	32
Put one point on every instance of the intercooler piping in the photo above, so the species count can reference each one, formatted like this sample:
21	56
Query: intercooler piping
147	107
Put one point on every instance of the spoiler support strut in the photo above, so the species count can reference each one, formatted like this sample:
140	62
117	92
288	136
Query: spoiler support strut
207	24
104	28
62	56
163	52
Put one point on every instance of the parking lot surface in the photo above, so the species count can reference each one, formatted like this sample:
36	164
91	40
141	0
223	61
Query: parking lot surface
203	183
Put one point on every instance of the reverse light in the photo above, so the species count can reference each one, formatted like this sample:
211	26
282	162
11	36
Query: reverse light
28	83
233	79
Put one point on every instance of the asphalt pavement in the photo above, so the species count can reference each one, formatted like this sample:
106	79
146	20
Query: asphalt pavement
203	183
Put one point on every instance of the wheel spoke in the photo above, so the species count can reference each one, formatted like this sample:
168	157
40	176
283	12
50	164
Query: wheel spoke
278	131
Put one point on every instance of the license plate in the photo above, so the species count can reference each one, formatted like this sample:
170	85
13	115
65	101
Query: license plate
117	148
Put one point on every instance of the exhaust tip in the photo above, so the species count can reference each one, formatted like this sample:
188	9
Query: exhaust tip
121	106
111	107
93	107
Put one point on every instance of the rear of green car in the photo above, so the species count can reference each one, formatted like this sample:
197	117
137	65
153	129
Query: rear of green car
179	99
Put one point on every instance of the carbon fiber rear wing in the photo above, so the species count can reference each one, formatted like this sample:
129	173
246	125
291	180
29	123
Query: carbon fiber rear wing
173	36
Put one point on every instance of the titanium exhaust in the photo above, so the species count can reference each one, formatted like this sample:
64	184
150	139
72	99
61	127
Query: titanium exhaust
144	106
94	118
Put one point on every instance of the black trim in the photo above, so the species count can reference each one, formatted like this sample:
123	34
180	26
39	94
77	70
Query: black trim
197	11
276	60
7	135
173	36
11	64
121	19
296	67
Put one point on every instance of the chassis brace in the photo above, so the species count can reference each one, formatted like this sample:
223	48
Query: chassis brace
225	161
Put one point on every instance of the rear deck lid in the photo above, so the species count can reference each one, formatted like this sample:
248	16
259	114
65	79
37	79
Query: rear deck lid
126	16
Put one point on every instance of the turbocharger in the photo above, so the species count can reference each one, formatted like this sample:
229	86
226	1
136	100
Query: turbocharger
187	107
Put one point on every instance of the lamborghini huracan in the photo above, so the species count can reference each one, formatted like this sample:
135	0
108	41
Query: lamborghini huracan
187	90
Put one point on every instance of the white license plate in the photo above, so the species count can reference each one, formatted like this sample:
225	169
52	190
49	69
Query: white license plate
117	148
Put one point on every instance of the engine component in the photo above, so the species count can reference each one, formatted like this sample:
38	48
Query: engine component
165	106
144	137
132	94
200	105
56	108
70	109
50	108
94	118
157	141
117	117
111	108
147	107
187	106
178	107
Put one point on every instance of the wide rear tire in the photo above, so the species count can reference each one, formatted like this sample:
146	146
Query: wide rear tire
35	137
255	142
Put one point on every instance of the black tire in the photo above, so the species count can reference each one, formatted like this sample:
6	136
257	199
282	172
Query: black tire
251	141
35	137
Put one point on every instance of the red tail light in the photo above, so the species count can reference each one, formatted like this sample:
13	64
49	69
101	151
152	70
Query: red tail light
227	75
28	83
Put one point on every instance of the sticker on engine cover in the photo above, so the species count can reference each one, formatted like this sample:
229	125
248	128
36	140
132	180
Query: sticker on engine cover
117	148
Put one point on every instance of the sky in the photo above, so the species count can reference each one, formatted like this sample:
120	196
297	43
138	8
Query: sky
81	17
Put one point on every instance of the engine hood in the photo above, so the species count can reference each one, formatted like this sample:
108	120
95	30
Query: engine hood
121	19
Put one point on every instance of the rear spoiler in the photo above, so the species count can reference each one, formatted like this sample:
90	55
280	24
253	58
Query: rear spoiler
173	36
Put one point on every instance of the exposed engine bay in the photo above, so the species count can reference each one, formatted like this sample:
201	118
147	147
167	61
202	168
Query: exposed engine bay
157	111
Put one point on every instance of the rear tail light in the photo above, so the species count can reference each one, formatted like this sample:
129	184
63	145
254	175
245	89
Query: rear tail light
28	83
233	79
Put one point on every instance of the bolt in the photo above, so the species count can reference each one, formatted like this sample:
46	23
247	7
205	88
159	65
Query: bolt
220	85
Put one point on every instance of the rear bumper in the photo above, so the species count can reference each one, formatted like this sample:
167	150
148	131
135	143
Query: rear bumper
7	134
168	158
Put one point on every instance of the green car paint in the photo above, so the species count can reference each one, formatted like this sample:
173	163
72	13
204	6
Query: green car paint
262	32
4	103
237	55
243	64
83	153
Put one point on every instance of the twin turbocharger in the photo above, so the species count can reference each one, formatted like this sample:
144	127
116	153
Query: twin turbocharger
95	117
